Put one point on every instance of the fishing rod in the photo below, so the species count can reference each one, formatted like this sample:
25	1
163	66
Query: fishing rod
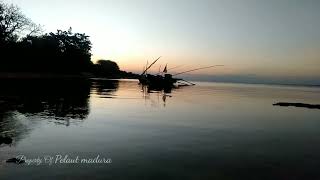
175	67
171	69
150	66
196	69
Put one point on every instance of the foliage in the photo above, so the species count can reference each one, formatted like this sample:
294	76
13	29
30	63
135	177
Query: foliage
108	66
13	23
23	48
62	51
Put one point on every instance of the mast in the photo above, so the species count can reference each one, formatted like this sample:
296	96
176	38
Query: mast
150	66
170	69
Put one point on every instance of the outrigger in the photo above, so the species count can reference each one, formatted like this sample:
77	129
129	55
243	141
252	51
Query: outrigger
166	81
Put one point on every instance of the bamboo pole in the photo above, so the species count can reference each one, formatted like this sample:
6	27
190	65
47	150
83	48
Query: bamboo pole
150	66
196	69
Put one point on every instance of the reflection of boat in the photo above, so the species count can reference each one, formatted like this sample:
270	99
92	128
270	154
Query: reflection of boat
162	92
165	80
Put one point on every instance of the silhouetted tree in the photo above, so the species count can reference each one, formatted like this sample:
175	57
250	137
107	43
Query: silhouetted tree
24	49
13	26
106	68
60	52
13	23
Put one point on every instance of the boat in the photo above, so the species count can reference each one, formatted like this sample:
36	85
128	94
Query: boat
158	80
165	80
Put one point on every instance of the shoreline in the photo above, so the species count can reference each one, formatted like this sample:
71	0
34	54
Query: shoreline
29	75
87	75
32	75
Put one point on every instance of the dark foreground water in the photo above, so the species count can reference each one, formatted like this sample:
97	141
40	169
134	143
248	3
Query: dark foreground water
208	131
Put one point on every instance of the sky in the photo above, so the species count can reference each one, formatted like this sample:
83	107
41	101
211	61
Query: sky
275	39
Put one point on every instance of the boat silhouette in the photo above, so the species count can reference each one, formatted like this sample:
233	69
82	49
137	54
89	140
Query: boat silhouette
164	79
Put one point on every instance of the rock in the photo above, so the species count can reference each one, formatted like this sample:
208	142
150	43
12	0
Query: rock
303	105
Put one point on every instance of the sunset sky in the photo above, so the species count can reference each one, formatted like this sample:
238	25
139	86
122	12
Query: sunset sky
269	38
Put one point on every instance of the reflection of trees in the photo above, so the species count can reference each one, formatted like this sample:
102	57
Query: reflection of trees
61	100
10	127
105	88
58	99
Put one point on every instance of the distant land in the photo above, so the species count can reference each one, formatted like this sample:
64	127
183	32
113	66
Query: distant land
254	79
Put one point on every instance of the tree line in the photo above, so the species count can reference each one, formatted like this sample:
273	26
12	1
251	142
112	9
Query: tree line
25	48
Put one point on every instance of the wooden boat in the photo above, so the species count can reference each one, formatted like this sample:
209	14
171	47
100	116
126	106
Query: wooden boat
167	80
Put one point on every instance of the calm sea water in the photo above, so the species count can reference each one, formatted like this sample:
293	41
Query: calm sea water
207	131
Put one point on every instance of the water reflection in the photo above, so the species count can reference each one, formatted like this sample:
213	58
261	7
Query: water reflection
62	101
212	131
52	98
162	93
104	88
57	100
25	103
151	89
